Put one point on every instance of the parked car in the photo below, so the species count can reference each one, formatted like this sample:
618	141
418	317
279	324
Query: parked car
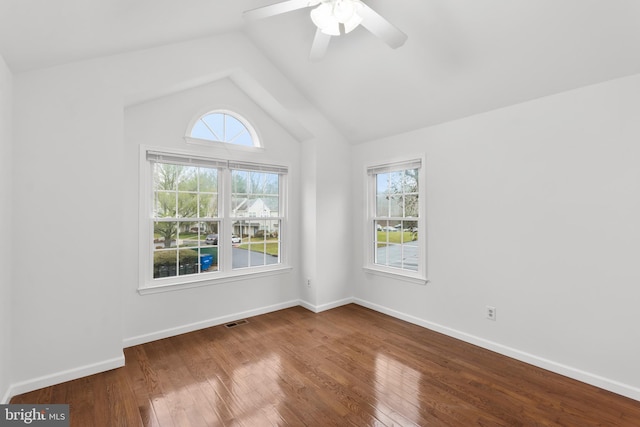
212	239
236	239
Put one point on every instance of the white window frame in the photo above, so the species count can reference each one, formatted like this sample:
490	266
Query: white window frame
257	141
419	276
225	273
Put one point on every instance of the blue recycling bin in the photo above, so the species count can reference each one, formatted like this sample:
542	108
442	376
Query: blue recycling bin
205	261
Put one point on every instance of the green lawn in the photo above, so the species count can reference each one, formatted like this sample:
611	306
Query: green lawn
189	235
271	247
396	236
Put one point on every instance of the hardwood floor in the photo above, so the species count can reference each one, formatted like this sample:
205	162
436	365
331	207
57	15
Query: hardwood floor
349	366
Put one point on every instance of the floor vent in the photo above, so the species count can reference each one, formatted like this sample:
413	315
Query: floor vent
236	323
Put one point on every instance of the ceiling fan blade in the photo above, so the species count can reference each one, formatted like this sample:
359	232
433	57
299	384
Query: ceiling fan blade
382	28
275	9
320	44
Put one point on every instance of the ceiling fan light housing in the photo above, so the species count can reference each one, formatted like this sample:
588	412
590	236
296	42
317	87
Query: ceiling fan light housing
343	10
330	14
322	16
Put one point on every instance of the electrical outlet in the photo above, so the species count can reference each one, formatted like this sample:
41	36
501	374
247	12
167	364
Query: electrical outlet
491	313
308	283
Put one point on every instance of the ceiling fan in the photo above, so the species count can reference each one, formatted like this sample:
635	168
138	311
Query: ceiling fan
333	18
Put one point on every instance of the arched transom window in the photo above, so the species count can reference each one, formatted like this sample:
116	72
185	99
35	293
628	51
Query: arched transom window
223	126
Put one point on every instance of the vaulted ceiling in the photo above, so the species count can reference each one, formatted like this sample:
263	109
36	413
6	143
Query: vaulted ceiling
462	57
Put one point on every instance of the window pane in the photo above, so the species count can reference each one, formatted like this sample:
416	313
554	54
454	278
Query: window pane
411	181
381	254
208	205
411	205
270	206
211	239
255	194
208	227
188	233
411	231
187	205
240	254
188	261
241	229
200	130
257	254
252	206
382	205
208	260
208	180
382	229
233	129
214	123
260	243
165	263
193	255
410	252
396	181
382	183
164	205
164	234
166	176
187	178
240	257
394	256
238	206
243	139
395	206
265	183
239	182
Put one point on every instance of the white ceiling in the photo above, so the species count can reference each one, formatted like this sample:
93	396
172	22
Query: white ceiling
462	57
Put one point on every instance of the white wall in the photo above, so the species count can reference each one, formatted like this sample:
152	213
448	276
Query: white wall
309	224
75	260
325	216
163	123
5	227
532	209
67	317
334	254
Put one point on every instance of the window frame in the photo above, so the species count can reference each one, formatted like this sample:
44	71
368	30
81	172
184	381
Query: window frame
255	137
370	232
225	273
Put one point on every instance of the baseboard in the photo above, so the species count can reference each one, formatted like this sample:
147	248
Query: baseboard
64	376
559	368
166	333
7	396
325	307
72	374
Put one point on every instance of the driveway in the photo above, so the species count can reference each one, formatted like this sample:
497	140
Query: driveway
399	256
245	258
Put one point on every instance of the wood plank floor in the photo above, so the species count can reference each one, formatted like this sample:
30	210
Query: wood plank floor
349	366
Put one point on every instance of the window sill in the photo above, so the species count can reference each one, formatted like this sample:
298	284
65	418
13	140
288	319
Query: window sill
400	275
214	279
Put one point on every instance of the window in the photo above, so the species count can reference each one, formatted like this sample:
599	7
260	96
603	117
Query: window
256	215
396	219
185	217
208	218
225	127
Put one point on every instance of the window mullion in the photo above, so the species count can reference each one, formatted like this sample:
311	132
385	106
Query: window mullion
224	241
